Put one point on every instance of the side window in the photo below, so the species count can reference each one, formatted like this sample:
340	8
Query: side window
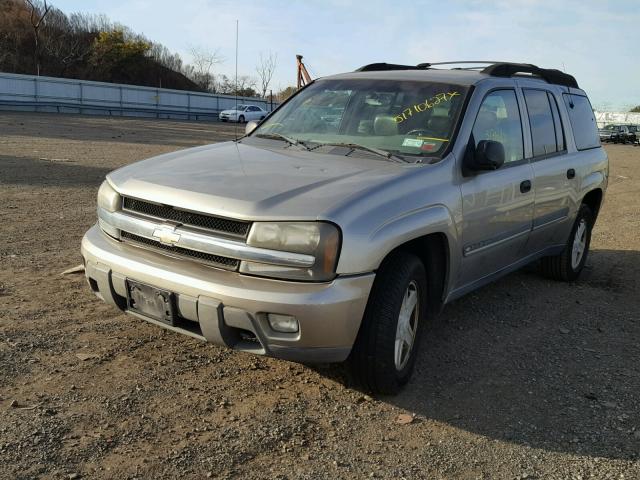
583	122
557	122
543	131
499	120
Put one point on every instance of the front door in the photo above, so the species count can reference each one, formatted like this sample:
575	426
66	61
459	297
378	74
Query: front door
497	205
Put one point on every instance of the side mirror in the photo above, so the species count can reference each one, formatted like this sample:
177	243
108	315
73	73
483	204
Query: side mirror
488	155
250	127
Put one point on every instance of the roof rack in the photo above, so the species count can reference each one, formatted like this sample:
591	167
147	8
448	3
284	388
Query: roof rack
495	69
551	75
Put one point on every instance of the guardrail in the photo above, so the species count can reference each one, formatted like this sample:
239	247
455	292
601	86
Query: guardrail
63	95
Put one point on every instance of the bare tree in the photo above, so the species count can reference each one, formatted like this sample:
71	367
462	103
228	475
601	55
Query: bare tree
203	61
265	69
38	14
63	42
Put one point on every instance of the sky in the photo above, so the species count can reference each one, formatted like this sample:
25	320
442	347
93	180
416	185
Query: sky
597	41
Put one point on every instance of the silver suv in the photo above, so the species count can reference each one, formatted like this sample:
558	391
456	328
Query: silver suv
342	223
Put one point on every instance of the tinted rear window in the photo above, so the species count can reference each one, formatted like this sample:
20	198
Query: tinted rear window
557	122
583	123
543	132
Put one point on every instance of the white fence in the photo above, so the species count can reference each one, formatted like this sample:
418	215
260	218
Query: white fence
626	118
49	94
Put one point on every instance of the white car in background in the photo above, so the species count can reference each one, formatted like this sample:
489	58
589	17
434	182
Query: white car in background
243	113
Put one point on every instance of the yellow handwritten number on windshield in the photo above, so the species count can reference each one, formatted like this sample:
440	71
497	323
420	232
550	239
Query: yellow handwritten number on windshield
424	106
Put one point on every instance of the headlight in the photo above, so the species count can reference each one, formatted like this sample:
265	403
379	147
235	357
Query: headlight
322	240
109	200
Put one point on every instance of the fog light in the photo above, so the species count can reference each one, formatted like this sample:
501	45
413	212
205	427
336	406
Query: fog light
282	323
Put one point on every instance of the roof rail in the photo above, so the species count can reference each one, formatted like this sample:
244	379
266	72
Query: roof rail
461	62
495	69
379	67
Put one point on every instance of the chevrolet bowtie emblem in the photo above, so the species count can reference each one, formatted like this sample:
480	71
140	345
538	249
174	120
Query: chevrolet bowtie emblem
166	234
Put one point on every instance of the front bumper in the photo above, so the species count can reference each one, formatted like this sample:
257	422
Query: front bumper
230	309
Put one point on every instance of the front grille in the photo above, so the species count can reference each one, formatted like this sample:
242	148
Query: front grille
213	260
236	228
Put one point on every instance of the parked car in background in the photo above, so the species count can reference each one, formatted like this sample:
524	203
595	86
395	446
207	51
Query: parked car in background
243	113
340	225
618	133
634	134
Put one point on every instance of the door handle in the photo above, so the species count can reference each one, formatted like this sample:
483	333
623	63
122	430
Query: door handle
525	186
571	173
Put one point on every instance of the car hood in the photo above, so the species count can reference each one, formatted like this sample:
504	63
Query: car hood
243	181
230	112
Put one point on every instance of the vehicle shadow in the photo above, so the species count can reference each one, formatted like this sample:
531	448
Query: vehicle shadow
539	363
31	171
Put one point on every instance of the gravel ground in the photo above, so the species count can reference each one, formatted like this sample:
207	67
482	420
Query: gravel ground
526	378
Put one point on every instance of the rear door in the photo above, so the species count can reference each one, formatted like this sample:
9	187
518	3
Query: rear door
556	181
497	206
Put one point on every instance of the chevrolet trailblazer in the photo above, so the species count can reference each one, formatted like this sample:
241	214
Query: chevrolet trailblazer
338	226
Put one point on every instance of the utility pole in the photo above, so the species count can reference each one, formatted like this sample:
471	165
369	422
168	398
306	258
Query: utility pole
236	89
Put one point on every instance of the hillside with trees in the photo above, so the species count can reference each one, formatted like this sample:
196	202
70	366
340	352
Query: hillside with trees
36	38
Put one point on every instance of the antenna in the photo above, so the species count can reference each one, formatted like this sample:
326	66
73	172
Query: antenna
236	89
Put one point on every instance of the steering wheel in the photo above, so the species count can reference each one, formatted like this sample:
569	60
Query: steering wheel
419	132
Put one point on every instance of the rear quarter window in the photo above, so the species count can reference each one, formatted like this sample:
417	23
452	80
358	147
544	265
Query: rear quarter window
583	122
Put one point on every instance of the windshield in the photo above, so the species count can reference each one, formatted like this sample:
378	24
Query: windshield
400	117
240	107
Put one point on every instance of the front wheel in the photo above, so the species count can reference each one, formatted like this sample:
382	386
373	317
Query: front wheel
384	353
241	119
568	265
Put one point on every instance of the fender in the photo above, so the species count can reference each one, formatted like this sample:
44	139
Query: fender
399	230
592	181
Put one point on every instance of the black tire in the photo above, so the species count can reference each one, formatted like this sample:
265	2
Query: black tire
372	364
241	119
262	118
560	267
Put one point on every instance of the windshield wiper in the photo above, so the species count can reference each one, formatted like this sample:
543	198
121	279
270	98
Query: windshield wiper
357	146
279	136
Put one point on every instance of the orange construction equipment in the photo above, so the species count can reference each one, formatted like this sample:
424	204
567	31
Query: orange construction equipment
303	76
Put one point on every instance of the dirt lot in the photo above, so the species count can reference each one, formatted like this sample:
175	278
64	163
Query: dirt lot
526	378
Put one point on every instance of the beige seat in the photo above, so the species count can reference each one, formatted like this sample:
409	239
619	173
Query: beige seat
385	125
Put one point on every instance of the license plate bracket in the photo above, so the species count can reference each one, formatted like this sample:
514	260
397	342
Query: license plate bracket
151	302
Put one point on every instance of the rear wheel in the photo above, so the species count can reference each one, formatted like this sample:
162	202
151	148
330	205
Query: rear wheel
384	354
568	265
